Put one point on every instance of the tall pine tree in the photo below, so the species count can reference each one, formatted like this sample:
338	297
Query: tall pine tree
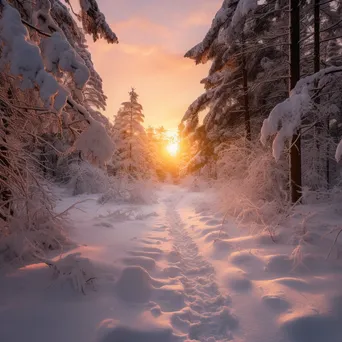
132	156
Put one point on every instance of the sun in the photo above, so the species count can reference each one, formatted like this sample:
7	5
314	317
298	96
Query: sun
172	148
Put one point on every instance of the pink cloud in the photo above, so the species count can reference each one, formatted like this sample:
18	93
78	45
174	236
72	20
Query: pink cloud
153	39
141	24
166	82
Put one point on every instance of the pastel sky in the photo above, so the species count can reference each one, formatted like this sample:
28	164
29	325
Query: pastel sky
153	35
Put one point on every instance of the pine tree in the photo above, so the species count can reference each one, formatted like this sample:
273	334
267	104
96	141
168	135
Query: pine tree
248	74
314	102
132	153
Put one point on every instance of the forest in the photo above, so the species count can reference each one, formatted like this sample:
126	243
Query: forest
226	228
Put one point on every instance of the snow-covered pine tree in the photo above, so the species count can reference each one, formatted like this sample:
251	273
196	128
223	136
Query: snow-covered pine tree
246	47
132	158
314	105
44	75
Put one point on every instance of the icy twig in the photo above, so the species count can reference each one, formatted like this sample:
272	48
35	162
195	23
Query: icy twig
334	243
73	206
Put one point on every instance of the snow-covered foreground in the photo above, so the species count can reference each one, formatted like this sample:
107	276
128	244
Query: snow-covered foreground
165	273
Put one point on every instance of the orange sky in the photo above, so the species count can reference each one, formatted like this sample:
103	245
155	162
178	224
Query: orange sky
153	35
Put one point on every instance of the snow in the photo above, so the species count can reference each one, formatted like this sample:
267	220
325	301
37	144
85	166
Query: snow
25	59
198	52
42	18
242	9
170	271
287	116
59	55
95	143
285	120
94	22
338	152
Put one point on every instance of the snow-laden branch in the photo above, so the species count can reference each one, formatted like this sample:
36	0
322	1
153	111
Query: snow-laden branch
286	115
198	53
25	61
59	56
243	8
286	118
226	21
94	22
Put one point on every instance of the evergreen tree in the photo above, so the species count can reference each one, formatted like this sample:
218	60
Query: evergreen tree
132	157
313	108
245	45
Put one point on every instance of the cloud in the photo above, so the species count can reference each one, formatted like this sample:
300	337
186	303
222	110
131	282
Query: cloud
143	30
198	18
144	24
166	82
154	35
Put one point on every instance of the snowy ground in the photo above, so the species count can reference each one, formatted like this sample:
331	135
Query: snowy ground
165	273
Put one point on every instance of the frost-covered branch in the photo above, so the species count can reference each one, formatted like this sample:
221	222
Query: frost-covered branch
94	22
25	60
286	118
35	28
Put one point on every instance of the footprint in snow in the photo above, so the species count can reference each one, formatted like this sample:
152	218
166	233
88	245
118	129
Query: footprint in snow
143	261
276	303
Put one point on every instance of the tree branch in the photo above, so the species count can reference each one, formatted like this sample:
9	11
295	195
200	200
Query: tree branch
35	28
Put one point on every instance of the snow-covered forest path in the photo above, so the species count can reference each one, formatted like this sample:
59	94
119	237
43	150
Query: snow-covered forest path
165	272
207	313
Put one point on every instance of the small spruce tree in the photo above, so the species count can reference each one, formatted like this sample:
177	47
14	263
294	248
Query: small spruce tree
132	157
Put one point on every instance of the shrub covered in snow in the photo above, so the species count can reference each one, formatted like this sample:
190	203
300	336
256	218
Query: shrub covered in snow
123	189
32	229
73	269
46	72
86	178
251	184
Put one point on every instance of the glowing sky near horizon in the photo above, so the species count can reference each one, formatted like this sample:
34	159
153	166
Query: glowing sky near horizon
153	35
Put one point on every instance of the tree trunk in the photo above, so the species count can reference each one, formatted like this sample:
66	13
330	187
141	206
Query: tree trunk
295	152
130	143
317	24
318	129
5	192
245	92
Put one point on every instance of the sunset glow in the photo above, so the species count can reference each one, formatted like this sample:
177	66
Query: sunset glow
154	36
173	148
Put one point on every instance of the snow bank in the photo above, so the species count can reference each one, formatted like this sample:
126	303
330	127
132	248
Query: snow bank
259	290
73	269
123	190
134	284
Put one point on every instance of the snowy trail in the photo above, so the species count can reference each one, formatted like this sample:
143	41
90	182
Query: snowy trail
207	313
164	272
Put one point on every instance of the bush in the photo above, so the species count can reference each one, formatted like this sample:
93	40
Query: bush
85	178
32	229
252	186
124	190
